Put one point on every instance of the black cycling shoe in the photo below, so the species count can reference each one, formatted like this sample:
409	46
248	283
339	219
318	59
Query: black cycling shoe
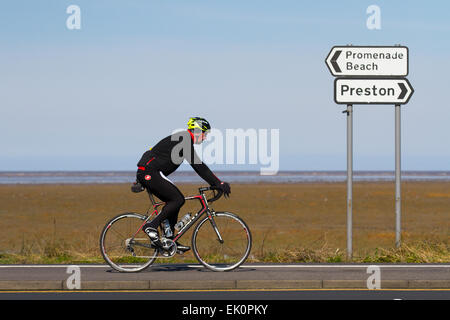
154	236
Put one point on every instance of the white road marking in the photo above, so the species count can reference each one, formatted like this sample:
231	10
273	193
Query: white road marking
247	266
346	266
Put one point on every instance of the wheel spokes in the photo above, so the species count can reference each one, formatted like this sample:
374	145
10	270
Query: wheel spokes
121	249
232	251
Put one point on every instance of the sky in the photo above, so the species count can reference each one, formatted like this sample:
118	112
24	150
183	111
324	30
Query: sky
97	97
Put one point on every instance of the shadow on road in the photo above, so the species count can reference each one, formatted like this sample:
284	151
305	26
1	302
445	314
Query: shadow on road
179	267
201	269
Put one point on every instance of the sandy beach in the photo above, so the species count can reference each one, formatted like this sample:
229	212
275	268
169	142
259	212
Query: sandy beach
67	219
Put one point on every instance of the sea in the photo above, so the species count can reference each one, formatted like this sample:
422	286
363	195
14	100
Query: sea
100	177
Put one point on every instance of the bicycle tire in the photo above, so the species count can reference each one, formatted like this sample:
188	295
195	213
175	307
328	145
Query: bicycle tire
118	244
226	256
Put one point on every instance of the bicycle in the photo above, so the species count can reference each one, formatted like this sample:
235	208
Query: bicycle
221	241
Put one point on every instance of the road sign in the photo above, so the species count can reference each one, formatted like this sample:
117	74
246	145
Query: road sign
373	61
372	91
370	75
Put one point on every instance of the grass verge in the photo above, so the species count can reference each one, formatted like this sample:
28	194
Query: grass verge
417	252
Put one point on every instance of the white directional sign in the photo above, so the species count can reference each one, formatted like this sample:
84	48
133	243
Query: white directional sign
370	75
372	91
343	61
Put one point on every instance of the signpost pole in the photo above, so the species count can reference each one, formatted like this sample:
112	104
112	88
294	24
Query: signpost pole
370	75
397	176
349	180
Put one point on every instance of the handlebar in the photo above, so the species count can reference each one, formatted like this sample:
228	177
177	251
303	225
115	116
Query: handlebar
213	189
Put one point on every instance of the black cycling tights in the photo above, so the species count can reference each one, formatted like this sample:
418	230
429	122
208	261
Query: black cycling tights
164	189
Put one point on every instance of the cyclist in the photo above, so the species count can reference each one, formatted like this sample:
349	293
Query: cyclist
163	159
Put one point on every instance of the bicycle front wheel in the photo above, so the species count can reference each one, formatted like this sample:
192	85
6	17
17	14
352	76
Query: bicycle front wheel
124	246
221	242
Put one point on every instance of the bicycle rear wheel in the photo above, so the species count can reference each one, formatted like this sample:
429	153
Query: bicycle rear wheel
124	246
222	242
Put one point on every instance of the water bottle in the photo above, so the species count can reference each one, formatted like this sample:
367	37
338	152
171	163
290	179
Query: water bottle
183	221
186	218
166	227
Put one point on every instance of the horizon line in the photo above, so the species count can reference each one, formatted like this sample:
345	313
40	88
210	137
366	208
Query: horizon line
223	171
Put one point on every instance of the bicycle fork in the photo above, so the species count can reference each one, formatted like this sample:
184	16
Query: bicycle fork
213	224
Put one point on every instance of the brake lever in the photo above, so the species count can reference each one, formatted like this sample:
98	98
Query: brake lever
216	196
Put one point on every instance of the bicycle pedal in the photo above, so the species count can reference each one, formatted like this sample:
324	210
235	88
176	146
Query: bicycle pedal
183	248
166	255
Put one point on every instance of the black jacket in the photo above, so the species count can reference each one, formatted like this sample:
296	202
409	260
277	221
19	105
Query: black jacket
168	154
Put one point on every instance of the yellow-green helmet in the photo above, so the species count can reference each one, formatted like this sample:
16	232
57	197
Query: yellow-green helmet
198	123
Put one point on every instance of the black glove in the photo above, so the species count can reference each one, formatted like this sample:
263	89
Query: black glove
225	187
137	187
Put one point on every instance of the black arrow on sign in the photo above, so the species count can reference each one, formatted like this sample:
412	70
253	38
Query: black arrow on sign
404	90
334	59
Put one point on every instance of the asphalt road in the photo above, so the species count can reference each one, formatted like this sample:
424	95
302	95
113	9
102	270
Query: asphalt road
184	291
249	276
245	272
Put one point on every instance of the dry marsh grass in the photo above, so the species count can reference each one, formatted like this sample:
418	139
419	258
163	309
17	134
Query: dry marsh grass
289	222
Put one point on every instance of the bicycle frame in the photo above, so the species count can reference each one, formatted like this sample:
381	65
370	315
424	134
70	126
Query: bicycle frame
205	209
